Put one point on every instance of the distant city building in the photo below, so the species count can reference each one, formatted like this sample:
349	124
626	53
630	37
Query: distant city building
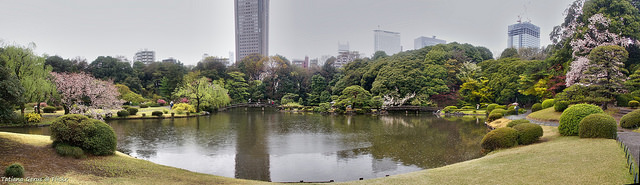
343	47
172	60
232	59
313	62
145	56
302	63
252	27
387	41
422	42
323	59
523	35
345	57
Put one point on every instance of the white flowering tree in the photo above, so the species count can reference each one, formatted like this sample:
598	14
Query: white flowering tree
82	94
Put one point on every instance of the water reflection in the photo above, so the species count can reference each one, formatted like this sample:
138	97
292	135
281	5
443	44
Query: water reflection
289	147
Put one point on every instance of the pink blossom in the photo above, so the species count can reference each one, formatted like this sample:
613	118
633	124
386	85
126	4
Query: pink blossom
75	88
161	102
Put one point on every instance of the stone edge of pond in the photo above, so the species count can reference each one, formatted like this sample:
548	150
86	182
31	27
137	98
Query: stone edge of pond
156	117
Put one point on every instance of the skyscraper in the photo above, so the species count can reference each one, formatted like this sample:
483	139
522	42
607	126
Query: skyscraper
422	42
252	27
523	35
387	41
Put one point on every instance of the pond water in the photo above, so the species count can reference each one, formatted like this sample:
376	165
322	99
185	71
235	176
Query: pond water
289	147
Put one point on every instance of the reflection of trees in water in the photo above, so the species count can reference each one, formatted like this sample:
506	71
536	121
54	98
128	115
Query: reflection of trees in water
252	155
146	135
426	142
146	154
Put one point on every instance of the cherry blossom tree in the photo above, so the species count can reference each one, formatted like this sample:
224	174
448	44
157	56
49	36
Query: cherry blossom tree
83	94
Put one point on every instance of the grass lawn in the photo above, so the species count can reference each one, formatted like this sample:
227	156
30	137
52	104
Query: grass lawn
548	114
554	160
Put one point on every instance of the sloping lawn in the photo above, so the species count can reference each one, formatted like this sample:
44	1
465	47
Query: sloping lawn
548	114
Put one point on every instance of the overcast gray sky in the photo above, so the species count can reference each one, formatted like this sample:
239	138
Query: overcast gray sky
185	30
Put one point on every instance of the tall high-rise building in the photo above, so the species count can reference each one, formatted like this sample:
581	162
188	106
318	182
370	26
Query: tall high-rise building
145	56
252	27
523	35
422	42
386	41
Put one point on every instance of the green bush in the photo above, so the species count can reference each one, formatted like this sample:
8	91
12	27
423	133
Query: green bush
512	110
469	107
14	170
59	108
125	107
501	107
500	138
634	104
157	113
184	107
528	133
630	120
622	100
123	113
49	109
67	150
144	106
322	107
536	107
143	114
494	116
165	111
153	104
517	122
598	126
94	136
560	106
102	139
502	111
490	107
449	109
33	117
132	111
571	117
548	103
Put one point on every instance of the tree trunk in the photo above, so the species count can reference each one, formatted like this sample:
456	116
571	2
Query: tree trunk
66	109
22	109
605	105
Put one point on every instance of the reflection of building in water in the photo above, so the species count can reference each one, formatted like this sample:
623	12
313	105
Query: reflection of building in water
392	120
384	164
252	156
146	154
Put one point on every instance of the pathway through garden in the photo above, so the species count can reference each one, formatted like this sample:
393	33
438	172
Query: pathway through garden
632	140
524	116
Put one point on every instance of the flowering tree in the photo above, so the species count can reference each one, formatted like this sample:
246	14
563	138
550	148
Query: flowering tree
82	94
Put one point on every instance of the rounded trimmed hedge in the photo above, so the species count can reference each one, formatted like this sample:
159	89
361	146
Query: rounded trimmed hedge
132	111
548	103
490	107
517	122
634	104
598	126
144	106
494	116
449	109
528	133
571	117
630	120
536	107
157	113
94	136
123	113
500	138
14	170
49	109
561	106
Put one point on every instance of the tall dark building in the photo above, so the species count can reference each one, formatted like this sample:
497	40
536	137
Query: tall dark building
252	27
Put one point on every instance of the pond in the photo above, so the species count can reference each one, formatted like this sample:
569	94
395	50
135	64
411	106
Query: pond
290	147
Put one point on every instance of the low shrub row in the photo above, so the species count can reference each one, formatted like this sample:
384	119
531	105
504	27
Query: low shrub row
523	133
536	107
66	150
49	109
571	117
561	106
548	103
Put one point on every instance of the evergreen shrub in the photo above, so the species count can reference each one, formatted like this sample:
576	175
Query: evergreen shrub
598	126
449	109
157	113
494	116
49	109
517	122
14	170
144	106
132	111
560	106
634	104
536	107
94	136
123	113
67	150
630	120
528	133
548	103
571	117
500	138
490	107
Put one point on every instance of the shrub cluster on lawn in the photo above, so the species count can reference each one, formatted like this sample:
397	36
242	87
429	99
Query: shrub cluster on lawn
33	117
490	107
132	111
123	113
516	122
561	106
598	126
144	106
14	170
49	109
631	120
536	107
494	116
523	133
634	104
93	136
571	117
500	138
68	150
181	108
157	113
548	103
449	109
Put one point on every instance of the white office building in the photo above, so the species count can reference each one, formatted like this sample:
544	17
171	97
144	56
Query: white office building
422	42
387	41
523	35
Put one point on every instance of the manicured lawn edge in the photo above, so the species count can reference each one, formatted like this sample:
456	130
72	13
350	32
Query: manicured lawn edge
548	114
